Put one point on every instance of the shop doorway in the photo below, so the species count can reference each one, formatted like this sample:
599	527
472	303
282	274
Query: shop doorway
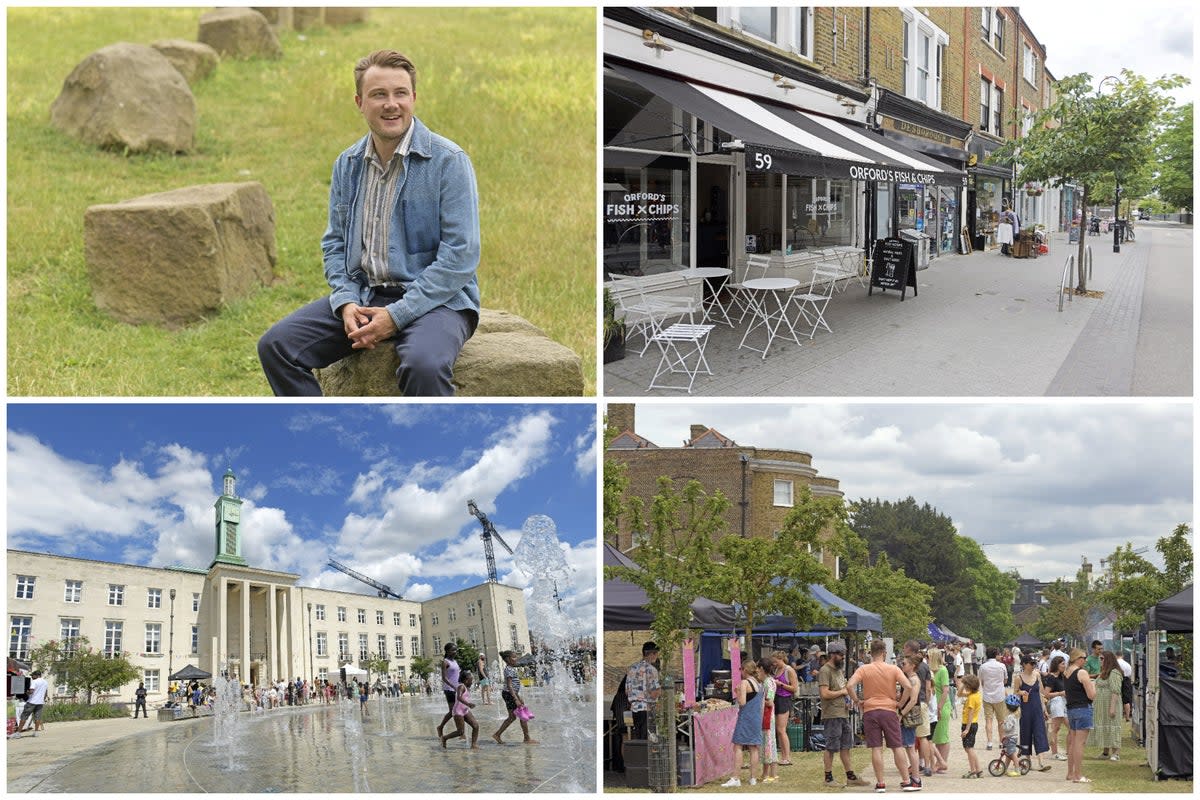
713	214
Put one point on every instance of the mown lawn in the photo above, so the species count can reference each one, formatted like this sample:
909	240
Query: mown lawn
515	87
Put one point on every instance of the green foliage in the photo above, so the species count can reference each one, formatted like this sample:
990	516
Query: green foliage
72	712
377	666
901	601
1174	152
468	657
1134	584
1087	137
515	86
421	666
971	596
673	556
616	505
76	665
765	575
1065	610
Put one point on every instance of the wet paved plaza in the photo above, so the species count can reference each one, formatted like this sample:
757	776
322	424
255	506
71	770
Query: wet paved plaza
319	748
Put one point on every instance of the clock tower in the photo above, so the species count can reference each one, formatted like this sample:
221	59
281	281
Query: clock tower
229	517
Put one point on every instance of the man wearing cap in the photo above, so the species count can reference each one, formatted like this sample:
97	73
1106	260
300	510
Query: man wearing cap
835	713
813	666
641	687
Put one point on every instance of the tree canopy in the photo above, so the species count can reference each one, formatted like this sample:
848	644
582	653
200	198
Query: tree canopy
971	596
901	601
1134	584
1087	136
1065	609
75	664
1174	155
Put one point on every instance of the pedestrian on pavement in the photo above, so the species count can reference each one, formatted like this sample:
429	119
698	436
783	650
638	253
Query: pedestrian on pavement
450	672
140	701
787	687
35	701
747	731
972	706
1107	708
641	686
1027	685
1080	693
910	717
968	654
835	713
770	746
1056	694
941	701
881	723
993	678
925	683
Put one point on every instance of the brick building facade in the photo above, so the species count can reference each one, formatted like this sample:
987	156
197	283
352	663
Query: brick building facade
761	484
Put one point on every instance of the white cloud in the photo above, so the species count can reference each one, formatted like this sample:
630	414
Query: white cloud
586	449
419	592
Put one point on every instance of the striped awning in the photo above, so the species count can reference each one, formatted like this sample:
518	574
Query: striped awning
782	139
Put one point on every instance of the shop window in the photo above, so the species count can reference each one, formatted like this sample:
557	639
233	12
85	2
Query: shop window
817	215
646	213
764	212
910	208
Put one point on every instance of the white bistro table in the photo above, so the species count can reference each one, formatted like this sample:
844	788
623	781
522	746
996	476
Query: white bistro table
760	292
711	305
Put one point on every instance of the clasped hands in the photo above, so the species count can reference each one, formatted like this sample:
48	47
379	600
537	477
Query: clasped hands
367	326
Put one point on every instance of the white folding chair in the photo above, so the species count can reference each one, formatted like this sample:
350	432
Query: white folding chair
741	296
647	314
815	301
679	344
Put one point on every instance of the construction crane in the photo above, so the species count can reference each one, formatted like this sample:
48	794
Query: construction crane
487	534
380	589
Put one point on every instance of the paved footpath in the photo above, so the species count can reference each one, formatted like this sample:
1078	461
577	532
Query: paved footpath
981	325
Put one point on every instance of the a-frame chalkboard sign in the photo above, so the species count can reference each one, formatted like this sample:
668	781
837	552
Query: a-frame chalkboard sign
894	266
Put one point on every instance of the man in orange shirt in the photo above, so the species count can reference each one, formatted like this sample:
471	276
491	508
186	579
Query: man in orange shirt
880	707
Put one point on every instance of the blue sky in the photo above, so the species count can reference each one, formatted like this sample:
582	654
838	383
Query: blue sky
380	487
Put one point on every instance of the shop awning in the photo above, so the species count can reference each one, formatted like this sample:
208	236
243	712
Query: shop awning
781	139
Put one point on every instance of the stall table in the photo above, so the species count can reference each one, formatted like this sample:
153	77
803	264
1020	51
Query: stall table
709	736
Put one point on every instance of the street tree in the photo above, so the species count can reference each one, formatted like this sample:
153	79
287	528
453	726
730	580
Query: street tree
1065	609
1134	584
1086	136
673	556
1174	156
377	665
770	575
468	656
75	664
1178	554
901	601
421	667
991	591
615	503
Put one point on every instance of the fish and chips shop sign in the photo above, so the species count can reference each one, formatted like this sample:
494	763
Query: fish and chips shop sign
641	207
762	160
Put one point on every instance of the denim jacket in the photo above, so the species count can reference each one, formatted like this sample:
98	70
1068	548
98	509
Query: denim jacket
433	246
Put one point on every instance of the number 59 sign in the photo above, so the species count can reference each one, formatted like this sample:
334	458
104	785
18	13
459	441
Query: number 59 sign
762	161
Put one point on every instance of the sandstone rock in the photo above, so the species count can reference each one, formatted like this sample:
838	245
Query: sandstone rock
195	61
127	97
280	17
174	257
345	16
304	17
507	357
239	32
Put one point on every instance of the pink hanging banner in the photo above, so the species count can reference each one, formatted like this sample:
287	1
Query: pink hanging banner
689	674
735	663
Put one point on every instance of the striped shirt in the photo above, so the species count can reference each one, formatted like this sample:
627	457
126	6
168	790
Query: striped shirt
379	197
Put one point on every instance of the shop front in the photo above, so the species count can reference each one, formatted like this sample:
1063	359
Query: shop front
935	211
749	177
989	187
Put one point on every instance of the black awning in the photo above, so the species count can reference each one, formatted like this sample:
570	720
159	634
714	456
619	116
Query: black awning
783	139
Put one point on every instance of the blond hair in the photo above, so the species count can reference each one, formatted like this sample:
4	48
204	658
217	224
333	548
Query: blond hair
383	58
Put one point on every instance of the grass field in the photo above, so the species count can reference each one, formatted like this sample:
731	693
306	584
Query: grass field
515	87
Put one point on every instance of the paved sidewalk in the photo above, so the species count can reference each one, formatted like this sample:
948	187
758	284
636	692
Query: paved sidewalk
981	325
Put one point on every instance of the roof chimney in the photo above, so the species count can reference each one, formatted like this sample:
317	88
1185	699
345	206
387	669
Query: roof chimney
698	431
621	417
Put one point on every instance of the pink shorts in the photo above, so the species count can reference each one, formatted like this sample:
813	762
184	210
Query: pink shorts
882	725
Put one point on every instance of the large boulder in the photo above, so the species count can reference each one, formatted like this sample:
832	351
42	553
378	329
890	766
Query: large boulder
305	17
240	33
194	60
280	17
507	357
176	257
127	97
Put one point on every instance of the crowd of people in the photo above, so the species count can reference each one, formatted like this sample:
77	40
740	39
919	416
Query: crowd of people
1019	702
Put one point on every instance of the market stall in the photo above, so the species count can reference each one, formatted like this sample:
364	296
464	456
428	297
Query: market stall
1168	700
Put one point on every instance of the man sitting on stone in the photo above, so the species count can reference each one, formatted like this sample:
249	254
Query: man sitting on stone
400	251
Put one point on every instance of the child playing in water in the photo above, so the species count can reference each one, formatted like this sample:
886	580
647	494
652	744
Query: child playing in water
511	694
462	711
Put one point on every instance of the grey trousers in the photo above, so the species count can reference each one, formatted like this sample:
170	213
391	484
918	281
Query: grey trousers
313	337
